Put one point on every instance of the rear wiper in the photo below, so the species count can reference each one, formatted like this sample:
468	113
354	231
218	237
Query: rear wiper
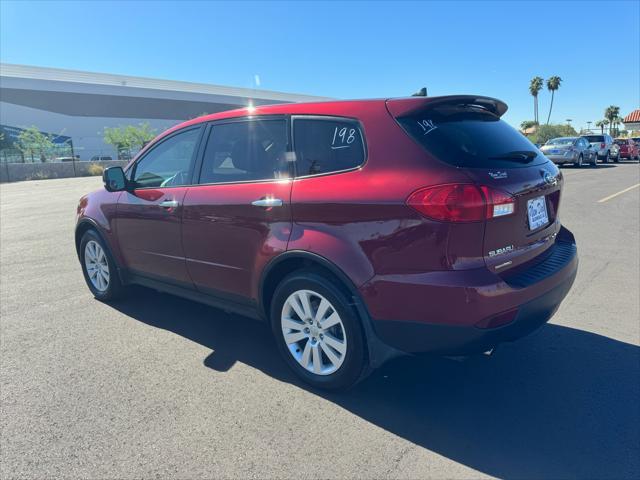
524	156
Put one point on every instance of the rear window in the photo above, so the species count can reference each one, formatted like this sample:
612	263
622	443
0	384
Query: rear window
594	138
467	137
621	142
562	141
327	145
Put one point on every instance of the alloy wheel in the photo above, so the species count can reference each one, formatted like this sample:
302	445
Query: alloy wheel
313	332
95	261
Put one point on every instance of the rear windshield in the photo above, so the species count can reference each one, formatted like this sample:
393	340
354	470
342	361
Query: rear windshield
561	141
594	138
470	137
621	142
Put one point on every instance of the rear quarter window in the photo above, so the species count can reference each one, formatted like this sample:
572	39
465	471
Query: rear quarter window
327	145
470	138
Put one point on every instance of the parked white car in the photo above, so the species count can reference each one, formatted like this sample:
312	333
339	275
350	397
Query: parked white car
605	147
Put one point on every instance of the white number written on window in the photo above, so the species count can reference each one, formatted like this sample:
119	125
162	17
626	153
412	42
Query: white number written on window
427	126
343	137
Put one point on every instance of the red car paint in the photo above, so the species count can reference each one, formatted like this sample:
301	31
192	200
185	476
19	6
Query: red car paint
405	271
628	148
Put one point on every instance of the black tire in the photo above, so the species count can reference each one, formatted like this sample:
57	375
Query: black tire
579	162
606	158
355	363
114	288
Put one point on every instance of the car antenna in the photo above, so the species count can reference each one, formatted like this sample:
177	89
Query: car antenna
420	93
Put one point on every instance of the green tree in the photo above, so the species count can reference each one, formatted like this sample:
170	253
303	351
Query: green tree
616	126
32	142
611	113
602	123
535	86
553	84
527	124
544	133
126	138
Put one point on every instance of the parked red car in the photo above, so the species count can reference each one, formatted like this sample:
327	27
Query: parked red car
628	148
358	229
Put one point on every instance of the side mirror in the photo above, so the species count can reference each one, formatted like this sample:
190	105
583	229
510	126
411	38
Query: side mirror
114	179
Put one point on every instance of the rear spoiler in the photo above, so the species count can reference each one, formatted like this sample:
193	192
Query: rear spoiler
401	107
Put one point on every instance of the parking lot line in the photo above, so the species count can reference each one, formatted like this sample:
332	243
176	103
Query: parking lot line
602	200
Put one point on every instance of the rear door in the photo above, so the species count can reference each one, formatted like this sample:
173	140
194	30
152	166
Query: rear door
239	215
491	153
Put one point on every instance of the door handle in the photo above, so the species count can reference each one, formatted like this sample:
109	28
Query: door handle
267	202
169	204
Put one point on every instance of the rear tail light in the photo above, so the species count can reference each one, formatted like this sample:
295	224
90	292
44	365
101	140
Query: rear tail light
602	145
461	203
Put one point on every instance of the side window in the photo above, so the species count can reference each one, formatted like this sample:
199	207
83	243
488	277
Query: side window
327	145
246	151
169	163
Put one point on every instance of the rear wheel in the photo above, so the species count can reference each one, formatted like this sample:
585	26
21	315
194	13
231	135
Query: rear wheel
579	162
99	269
606	158
318	334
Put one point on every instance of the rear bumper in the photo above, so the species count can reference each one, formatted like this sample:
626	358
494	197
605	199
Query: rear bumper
560	159
451	314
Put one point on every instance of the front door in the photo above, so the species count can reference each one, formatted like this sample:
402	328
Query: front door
239	216
149	217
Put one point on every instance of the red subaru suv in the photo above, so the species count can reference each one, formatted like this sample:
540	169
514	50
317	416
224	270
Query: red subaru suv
358	229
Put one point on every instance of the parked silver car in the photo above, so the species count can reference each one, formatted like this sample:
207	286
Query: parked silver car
576	150
605	146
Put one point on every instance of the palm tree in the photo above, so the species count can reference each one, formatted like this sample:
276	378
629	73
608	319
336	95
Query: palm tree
535	86
602	123
616	122
610	113
553	84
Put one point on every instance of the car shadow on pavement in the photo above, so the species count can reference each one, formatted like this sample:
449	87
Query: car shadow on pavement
560	403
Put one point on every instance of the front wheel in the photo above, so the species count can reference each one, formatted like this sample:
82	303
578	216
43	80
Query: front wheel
99	269
318	333
579	162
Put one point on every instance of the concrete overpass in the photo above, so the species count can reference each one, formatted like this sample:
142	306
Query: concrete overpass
80	105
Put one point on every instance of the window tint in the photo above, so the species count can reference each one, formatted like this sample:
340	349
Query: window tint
245	151
327	145
169	163
471	137
595	138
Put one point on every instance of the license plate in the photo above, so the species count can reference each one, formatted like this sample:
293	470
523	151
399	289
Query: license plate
537	209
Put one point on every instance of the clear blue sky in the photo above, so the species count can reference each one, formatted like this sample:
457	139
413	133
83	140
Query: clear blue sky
350	50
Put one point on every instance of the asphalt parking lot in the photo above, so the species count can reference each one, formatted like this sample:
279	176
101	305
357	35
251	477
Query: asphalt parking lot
156	386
